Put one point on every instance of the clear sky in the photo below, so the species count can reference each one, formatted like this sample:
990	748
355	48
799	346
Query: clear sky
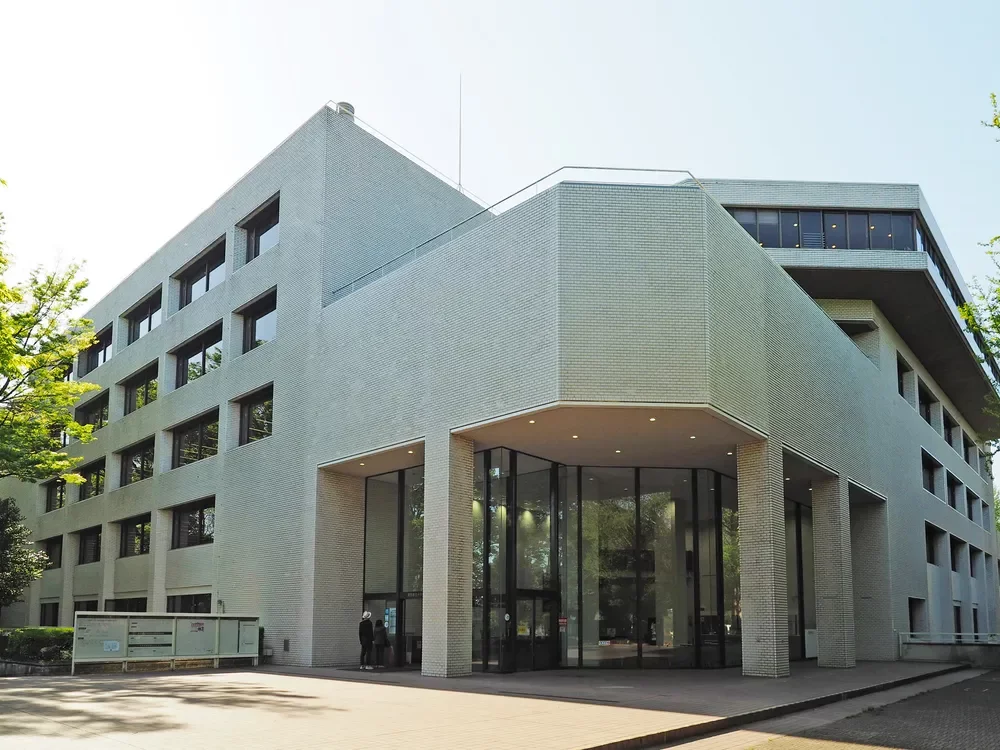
119	123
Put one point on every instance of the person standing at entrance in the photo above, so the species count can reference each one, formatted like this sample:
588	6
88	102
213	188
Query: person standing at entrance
366	634
381	641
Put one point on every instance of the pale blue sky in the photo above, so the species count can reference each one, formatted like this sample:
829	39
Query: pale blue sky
119	123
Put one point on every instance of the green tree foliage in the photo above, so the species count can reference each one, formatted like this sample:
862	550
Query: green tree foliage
20	564
39	339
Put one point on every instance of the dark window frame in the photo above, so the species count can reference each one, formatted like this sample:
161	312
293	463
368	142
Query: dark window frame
55	495
253	314
262	397
200	272
929	464
189	603
95	412
98	353
92	533
263	219
201	427
145	312
146	453
925	402
208	340
902	370
182	541
49	617
931	536
141	384
134	536
54	560
94	479
128	604
953	485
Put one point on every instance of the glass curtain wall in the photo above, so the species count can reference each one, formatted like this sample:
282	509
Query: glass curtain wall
800	581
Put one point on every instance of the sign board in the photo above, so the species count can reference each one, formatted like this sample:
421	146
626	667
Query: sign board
196	637
98	637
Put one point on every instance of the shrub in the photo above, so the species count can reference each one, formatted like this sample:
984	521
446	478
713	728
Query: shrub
28	643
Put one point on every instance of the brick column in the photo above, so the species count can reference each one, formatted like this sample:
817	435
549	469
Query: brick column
447	606
763	584
110	540
70	555
159	544
832	562
338	580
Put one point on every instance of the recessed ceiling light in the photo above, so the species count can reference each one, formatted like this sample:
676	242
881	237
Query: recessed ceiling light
810	489
834	247
693	437
794	225
362	463
409	451
834	226
787	478
729	453
872	226
617	451
531	421
889	235
575	437
652	419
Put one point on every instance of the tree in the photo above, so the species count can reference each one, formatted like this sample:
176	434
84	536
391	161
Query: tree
20	564
39	339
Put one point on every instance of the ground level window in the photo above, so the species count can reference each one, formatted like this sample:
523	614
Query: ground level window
49	615
190	603
132	604
87	605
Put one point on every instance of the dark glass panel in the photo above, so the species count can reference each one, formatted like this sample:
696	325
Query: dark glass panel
811	224
747	217
767	228
880	231
857	231
902	232
835	229
790	229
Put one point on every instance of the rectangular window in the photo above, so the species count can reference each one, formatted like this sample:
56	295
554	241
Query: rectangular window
50	615
835	229
930	469
93	479
55	495
94	412
790	229
880	231
924	401
262	230
135	536
141	389
85	605
932	537
97	354
256	420
90	546
955	492
747	217
956	553
767	228
958	621
53	550
950	428
190	603
968	449
132	604
975	624
144	318
902	370
260	322
200	356
974	555
972	504
918	615
194	524
902	231
137	463
196	439
857	231
207	273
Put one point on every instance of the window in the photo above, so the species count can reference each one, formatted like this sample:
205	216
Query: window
144	318
790	229
53	550
135	536
767	228
190	603
90	546
811	224
55	495
924	402
262	230
94	412
141	389
880	231
956	553
933	536
975	624
958	621
86	605
902	232
196	440
93	479
256	415
972	504
200	356
968	449
194	524
260	322
902	370
132	604
98	353
857	231
930	469
918	615
137	462
974	557
207	273
954	492
835	230
67	376
747	217
50	615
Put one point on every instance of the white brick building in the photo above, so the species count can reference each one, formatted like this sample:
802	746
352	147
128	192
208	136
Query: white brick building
652	436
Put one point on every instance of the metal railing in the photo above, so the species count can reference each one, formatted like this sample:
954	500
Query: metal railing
948	639
594	175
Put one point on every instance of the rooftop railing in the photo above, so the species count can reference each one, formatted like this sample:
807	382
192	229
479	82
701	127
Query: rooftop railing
593	175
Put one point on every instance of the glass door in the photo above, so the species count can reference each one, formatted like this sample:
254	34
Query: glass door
536	639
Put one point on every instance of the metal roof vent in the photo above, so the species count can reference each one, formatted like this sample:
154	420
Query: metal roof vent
346	108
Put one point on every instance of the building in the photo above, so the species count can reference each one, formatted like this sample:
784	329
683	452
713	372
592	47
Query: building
657	422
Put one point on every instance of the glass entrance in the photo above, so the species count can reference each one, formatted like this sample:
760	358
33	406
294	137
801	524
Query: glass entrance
537	635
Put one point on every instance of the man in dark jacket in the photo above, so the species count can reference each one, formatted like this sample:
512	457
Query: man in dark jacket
366	634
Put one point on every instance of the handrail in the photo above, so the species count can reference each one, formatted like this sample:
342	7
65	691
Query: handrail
502	205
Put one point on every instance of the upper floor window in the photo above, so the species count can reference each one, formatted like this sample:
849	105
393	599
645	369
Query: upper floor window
93	479
952	432
924	402
67	375
262	230
194	524
196	440
933	537
135	536
200	356
968	449
137	462
55	495
256	415
206	273
90	545
836	230
260	322
902	370
53	550
98	353
141	389
930	469
190	603
954	492
144	318
94	412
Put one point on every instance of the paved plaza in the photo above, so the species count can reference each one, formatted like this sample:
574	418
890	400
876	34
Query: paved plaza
269	708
